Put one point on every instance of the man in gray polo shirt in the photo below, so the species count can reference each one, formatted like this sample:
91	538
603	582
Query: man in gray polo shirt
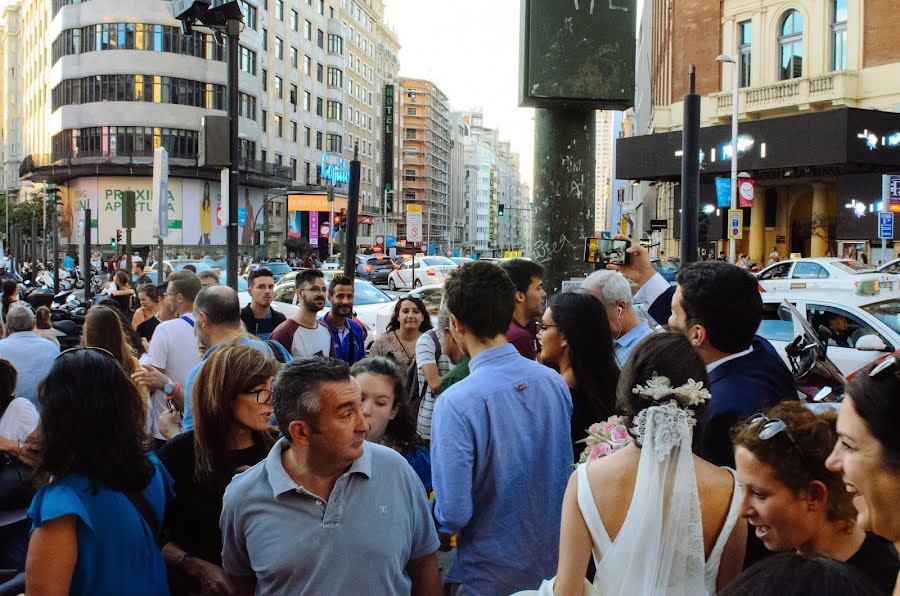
327	512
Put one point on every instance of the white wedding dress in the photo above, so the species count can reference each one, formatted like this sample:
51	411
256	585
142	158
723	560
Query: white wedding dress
659	550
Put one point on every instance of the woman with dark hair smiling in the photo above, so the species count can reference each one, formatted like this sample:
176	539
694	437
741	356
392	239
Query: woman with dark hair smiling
96	516
408	322
231	433
575	337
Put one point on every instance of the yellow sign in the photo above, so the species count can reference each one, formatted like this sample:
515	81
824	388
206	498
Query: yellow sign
414	208
314	203
512	254
735	224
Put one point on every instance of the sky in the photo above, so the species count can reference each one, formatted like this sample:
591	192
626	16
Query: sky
470	49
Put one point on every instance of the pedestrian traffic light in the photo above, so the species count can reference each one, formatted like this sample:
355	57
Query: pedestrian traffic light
119	238
500	209
112	241
344	218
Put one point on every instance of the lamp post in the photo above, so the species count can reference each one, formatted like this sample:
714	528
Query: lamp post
734	137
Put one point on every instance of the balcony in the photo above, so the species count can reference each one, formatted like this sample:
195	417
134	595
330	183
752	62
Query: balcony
834	89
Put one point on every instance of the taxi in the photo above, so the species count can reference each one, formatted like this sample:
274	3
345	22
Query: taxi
859	325
822	272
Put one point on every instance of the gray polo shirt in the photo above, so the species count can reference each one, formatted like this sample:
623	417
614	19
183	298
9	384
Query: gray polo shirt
376	520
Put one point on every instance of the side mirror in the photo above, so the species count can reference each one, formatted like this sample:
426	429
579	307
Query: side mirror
870	343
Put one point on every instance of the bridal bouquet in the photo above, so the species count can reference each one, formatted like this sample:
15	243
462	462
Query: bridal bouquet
604	438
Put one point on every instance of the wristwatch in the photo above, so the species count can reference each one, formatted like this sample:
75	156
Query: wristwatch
169	388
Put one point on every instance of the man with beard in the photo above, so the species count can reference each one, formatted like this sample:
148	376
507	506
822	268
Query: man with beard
302	334
348	336
528	278
259	317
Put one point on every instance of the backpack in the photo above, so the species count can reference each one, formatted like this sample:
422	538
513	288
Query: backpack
416	393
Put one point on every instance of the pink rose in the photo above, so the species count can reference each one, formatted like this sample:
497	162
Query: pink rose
595	428
619	435
599	450
613	420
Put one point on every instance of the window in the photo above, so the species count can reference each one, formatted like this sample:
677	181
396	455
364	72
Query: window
247	106
306	100
839	35
790	46
335	110
307	30
293	169
307	136
306	169
845	327
334	143
410	133
320	73
307	65
744	37
279	126
319	106
249	14
808	270
265	79
779	271
319	140
247	60
293	131
279	84
264	123
320	39
113	141
279	10
265	38
293	96
321	6
263	155
293	56
279	48
410	111
335	77
335	44
295	20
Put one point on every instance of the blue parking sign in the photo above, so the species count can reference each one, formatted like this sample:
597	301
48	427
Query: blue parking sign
886	226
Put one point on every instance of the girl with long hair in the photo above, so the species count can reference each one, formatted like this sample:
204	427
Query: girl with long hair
146	317
575	337
104	496
409	321
103	329
231	404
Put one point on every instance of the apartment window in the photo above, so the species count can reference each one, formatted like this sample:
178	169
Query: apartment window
265	38
279	86
295	20
306	169
320	38
247	60
790	46
307	136
279	48
334	143
293	96
319	140
744	37
307	65
293	131
263	155
319	106
321	7
335	110
335	77
279	10
292	53
265	79
409	175
306	100
247	106
839	35
278	159
249	14
320	73
264	123
335	44
410	111
307	30
293	169
410	133
279	125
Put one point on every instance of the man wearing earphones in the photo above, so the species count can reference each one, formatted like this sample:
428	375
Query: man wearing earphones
627	328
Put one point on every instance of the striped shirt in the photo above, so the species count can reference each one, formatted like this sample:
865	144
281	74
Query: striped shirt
425	354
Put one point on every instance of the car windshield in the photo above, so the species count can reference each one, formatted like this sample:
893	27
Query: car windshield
365	294
380	262
853	267
435	261
665	266
887	311
199	265
277	268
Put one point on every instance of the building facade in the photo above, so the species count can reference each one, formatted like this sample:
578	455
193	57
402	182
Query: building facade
818	115
603	186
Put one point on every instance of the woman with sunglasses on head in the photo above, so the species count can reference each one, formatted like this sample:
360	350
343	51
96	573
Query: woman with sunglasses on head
99	511
867	451
793	502
408	322
385	406
575	337
231	432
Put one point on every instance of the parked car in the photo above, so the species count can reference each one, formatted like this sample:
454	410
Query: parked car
277	268
667	267
428	270
890	267
332	263
822	272
374	268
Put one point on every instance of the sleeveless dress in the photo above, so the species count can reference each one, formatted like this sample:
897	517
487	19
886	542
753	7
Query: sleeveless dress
602	544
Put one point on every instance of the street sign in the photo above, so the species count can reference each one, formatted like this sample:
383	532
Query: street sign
886	226
659	224
390	242
379	239
314	229
745	192
891	189
160	203
414	223
735	224
571	284
242	216
324	229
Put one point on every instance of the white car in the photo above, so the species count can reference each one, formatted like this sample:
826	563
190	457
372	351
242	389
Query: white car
332	263
432	295
428	270
825	272
890	267
859	328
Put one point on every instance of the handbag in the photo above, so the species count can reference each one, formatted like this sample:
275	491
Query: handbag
16	484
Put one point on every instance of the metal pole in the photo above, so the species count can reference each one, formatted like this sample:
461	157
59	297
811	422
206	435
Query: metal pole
44	226
233	29
352	216
159	260
690	172
54	245
86	255
33	249
732	257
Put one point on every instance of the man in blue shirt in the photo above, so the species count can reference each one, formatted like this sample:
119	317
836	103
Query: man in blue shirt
501	449
614	292
217	313
349	337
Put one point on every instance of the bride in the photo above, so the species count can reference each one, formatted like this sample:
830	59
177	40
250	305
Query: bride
658	519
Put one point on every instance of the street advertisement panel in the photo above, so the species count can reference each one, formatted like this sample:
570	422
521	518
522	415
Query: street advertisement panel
314	229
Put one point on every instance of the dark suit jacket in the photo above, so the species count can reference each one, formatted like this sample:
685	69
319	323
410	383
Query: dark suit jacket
661	309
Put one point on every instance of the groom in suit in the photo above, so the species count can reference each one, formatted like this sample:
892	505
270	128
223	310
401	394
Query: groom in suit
718	307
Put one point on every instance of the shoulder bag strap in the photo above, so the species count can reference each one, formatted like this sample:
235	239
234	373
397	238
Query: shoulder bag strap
143	507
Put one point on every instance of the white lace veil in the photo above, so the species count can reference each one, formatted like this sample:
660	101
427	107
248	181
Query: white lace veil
659	549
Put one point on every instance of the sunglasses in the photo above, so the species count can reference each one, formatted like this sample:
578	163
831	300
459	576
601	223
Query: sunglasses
766	428
416	295
94	348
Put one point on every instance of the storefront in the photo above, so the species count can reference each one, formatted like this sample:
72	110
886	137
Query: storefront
310	216
817	180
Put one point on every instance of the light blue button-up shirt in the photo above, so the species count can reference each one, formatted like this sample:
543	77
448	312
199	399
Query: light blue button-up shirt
501	455
626	343
32	356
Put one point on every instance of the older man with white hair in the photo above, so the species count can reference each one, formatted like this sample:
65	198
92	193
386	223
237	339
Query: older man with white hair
30	354
614	291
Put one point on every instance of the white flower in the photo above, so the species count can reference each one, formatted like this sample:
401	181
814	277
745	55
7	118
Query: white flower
660	387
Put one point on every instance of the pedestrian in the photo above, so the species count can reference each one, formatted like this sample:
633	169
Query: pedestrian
432	363
322	484
259	317
454	352
146	317
137	271
31	355
665	521
43	326
119	290
10	296
794	502
130	334
18	419
231	433
774	257
103	498
217	313
386	408
303	334
104	328
528	278
500	445
574	336
867	452
614	292
409	321
797	573
348	336
208	277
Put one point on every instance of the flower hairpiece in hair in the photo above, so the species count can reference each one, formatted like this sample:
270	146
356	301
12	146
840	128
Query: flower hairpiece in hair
659	388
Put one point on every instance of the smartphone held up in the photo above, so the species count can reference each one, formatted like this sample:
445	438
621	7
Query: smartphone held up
604	251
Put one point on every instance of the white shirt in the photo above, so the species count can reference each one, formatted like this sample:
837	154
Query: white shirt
713	365
174	349
311	342
19	420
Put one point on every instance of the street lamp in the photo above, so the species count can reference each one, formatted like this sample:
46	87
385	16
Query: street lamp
734	137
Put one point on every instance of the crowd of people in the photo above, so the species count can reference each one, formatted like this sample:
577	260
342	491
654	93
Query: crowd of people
191	446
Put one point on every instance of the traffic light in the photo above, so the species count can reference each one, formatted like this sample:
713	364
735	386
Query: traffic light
338	220
112	241
344	218
119	238
500	209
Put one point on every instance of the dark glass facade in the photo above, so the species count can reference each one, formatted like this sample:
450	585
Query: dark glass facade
135	36
124	141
